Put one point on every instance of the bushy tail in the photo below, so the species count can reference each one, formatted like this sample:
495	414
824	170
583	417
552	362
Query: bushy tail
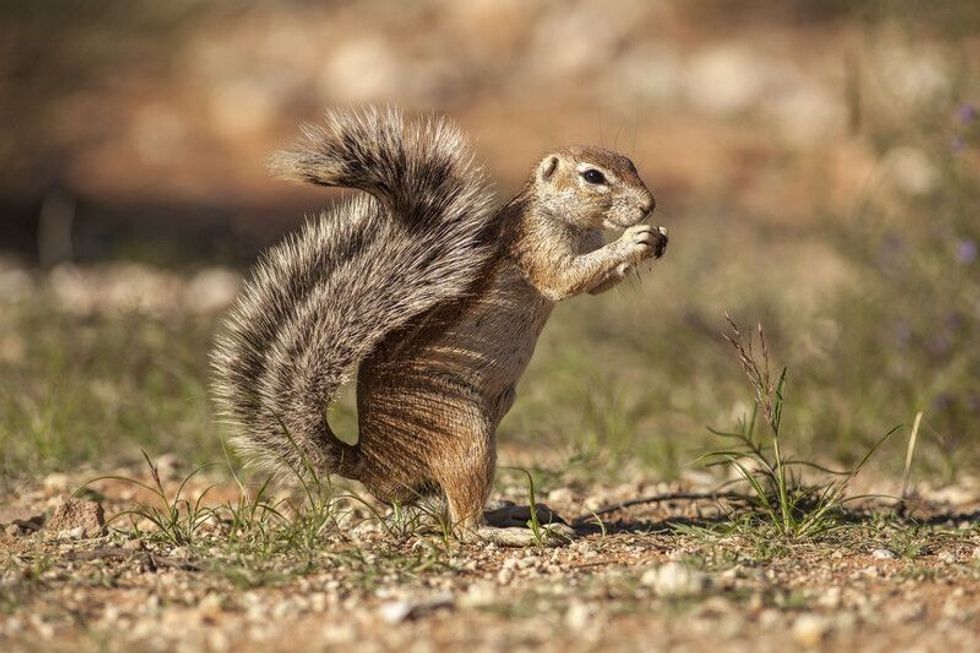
322	300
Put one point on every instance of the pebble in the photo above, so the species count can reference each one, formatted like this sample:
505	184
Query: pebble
770	618
76	533
883	554
830	598
674	579
180	552
578	616
594	503
810	629
480	594
561	495
394	612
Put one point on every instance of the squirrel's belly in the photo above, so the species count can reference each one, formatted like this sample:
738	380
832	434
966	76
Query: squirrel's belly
491	343
464	363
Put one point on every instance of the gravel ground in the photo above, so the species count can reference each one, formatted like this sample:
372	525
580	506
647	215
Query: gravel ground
651	582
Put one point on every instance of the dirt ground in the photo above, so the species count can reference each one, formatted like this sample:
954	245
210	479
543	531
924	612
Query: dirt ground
659	575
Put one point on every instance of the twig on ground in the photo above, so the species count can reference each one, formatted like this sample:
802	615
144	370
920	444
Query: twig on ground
660	498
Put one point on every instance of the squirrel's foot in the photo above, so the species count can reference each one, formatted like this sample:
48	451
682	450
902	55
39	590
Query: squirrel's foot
511	515
512	526
550	535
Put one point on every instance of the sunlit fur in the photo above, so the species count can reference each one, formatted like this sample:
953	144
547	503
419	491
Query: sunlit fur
431	295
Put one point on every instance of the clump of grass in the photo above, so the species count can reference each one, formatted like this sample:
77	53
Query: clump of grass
543	533
791	507
177	519
257	526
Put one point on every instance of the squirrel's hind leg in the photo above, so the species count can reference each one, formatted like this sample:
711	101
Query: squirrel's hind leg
466	477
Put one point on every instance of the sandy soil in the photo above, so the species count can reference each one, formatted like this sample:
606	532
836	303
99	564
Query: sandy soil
649	583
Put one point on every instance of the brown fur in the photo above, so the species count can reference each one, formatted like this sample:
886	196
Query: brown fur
442	332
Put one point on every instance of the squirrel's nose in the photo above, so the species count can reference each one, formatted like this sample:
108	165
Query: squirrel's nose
648	206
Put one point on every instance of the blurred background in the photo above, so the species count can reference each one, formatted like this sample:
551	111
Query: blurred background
817	163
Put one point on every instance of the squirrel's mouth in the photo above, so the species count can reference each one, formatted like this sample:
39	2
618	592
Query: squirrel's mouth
609	223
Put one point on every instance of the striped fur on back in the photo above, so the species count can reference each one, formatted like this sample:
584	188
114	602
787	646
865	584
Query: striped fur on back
323	299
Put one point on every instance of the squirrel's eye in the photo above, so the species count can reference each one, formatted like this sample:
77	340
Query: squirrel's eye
593	176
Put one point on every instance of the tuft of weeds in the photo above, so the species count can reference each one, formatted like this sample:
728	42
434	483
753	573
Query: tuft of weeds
789	506
541	532
258	539
177	519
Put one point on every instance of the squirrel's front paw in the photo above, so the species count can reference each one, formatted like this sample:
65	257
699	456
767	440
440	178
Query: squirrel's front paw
645	241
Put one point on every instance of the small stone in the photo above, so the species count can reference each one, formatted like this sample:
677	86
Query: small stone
810	629
527	563
76	533
505	575
76	519
770	617
479	594
674	579
946	557
111	614
883	554
394	612
830	598
561	495
594	503
578	617
318	602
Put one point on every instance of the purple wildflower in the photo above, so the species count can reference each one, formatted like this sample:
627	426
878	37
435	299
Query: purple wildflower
967	113
966	252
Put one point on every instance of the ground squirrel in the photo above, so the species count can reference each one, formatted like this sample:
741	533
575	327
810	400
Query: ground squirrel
434	297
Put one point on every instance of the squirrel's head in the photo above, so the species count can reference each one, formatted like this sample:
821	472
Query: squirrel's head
591	188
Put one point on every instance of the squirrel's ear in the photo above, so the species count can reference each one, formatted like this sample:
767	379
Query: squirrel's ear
548	167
